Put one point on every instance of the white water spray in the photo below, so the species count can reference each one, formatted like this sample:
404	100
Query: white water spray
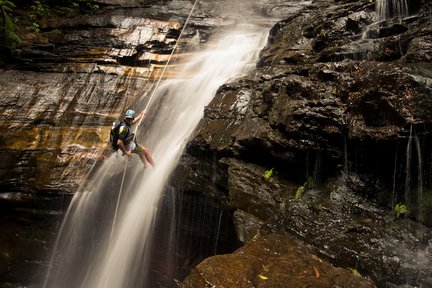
391	8
93	261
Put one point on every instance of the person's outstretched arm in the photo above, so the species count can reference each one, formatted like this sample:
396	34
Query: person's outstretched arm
138	118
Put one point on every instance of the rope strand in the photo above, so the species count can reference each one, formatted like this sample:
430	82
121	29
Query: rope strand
139	122
166	65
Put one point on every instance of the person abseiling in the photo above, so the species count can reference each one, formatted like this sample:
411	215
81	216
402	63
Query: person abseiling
126	142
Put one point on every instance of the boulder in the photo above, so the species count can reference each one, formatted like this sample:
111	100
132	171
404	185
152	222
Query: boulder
271	261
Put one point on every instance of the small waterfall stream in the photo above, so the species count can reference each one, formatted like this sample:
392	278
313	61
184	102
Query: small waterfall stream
419	180
408	156
391	8
385	10
85	255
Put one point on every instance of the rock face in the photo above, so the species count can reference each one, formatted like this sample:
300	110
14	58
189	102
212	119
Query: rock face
338	107
58	102
61	99
338	111
271	261
61	95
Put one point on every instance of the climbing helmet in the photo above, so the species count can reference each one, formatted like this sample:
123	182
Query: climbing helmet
130	114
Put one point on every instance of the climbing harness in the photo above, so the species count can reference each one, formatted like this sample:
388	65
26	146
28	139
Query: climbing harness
144	111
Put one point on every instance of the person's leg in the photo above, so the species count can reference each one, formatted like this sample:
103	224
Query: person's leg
144	155
143	160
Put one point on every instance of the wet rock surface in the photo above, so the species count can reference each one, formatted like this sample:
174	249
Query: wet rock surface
28	233
271	261
353	232
58	109
338	107
338	97
62	93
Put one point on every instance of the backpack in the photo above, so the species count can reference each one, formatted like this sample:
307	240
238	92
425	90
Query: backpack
114	135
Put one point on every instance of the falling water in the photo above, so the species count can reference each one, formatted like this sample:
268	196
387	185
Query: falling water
385	9
394	194
85	256
345	156
419	180
414	201
218	231
391	8
408	158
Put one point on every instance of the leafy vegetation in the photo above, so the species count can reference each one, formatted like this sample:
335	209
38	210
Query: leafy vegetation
73	6
37	15
268	174
9	36
400	209
20	18
355	272
299	193
302	189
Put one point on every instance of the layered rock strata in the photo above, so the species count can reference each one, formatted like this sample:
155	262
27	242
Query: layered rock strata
338	111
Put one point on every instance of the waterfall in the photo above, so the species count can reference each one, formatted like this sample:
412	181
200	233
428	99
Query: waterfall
414	176
395	176
408	157
419	180
391	8
385	9
85	254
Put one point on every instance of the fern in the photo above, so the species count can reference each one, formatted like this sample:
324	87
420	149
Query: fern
6	6
299	193
400	209
268	174
308	185
9	37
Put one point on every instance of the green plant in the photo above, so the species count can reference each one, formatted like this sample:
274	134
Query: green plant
400	209
299	193
74	6
87	5
9	37
306	186
355	272
334	90
39	12
268	174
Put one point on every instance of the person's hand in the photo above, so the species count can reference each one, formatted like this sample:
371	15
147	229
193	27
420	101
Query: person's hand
128	153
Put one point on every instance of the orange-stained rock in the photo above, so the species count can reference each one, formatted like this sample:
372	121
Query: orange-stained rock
271	261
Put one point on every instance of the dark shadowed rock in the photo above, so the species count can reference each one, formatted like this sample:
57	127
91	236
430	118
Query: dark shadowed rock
339	106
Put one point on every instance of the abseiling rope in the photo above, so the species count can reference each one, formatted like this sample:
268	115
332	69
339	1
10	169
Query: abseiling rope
144	111
166	65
